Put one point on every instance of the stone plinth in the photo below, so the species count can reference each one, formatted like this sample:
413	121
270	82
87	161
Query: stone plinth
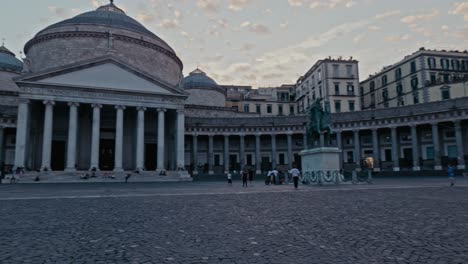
321	166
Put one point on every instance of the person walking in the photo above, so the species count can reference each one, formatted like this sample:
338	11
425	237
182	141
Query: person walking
295	174
276	175
270	176
229	179
245	175
451	172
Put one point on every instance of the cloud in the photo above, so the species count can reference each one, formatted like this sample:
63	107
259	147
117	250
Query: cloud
388	14
237	5
420	17
209	5
246	47
397	38
63	12
331	4
444	27
284	25
256	28
169	23
145	18
296	2
373	28
460	9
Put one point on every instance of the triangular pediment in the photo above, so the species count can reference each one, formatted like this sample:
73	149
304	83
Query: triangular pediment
106	74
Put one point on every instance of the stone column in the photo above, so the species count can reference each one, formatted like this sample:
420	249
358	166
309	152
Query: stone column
72	136
119	124
357	149
161	139
460	150
242	150
2	136
258	156
290	154
210	155
226	154
304	140
436	140
47	136
195	153
376	149
180	139
95	136
415	146
339	144
22	122
322	139
140	147
395	149
273	151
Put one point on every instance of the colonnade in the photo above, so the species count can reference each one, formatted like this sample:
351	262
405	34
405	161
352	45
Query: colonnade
23	123
242	154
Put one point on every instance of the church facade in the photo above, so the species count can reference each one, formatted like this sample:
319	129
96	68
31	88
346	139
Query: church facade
101	92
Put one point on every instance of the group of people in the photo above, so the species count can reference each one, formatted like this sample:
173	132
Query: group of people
273	177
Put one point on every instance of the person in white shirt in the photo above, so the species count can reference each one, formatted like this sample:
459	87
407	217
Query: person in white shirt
295	174
229	178
276	174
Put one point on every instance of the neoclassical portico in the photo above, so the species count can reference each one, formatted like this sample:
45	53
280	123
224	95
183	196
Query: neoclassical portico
94	122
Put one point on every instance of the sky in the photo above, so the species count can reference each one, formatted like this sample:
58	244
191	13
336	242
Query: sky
266	43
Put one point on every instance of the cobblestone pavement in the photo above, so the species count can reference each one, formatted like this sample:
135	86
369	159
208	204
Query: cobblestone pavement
185	223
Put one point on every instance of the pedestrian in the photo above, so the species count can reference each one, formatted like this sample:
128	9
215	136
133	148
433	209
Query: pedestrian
128	177
295	174
229	179
451	172
251	175
270	176
276	175
245	175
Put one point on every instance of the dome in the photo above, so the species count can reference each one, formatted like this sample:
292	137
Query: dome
106	31
199	79
8	61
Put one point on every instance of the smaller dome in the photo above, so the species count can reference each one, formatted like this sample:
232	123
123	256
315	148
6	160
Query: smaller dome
8	61
199	79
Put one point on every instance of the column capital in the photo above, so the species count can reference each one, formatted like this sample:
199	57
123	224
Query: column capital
75	104
258	134
211	135
434	123
24	101
289	133
413	125
96	106
180	111
374	129
241	135
48	102
161	110
457	122
120	107
226	135
141	108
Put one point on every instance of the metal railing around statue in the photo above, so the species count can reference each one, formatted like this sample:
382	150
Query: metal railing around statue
337	177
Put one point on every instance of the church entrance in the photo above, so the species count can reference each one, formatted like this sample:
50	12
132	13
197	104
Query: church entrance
151	157
106	154
58	156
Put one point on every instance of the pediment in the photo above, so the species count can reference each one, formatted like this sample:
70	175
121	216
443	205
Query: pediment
108	75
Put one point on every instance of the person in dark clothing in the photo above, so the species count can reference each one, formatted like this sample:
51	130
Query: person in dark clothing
245	175
251	175
128	177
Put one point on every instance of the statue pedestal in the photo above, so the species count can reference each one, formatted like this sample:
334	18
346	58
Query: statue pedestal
321	166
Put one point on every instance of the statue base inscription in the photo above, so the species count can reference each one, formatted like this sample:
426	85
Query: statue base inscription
321	166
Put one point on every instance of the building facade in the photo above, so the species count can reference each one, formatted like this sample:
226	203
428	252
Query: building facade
117	100
422	77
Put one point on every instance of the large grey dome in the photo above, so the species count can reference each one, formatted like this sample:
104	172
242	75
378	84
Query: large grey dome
106	31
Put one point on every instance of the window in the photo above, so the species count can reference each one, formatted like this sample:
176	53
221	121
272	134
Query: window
416	98
430	153
432	63
291	109
372	86
349	71
249	159
399	89
372	100
384	80
445	64
280	109
449	134
337	88
398	74
452	151
386	104
337	106
401	101
388	155
446	78
269	109
385	94
456	65
246	108
352	107
445	93
217	159
319	75
258	108
414	83
336	70
350	156
433	78
350	89
413	67
313	96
